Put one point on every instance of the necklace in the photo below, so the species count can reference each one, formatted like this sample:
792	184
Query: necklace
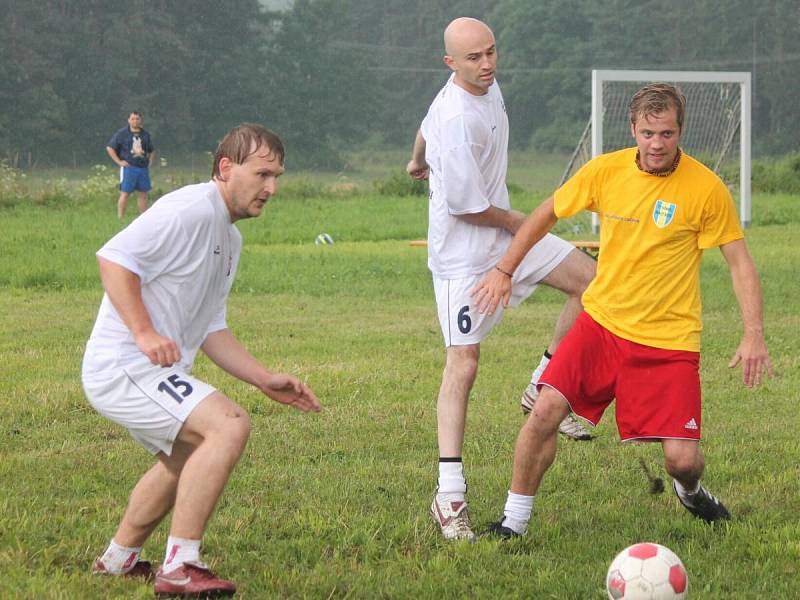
666	173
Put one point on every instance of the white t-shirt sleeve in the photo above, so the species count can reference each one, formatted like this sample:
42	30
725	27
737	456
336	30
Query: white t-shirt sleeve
147	247
465	190
219	322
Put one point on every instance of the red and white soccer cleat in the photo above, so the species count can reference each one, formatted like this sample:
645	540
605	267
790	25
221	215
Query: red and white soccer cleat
142	569
453	518
192	579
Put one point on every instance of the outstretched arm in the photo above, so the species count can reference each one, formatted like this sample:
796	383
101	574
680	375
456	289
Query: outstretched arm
418	167
496	285
228	354
752	351
124	289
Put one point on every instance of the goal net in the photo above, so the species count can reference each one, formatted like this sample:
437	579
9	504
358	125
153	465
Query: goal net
716	128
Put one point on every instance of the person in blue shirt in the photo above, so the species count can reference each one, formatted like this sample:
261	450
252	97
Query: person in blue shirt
132	149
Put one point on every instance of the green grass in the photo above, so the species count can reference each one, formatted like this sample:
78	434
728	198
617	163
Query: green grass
533	171
335	505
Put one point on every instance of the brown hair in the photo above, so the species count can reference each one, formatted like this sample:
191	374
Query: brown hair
657	98
244	140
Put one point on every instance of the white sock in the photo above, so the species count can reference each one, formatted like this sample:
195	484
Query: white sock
451	481
179	551
540	369
517	512
118	560
686	495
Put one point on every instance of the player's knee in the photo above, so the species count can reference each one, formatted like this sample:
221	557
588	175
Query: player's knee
230	431
466	371
462	363
237	427
548	411
683	464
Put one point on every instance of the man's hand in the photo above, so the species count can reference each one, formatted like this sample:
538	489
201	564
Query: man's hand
752	354
491	290
289	390
161	351
418	170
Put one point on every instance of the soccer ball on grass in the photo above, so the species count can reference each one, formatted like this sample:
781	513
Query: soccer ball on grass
647	571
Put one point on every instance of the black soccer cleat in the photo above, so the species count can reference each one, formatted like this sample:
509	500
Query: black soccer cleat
705	506
499	530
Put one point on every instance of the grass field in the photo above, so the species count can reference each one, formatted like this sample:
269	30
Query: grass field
334	505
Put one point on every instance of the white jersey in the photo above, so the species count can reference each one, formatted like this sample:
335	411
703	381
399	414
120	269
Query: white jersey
185	250
466	139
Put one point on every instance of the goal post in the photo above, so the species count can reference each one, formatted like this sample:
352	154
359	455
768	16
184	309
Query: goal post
718	111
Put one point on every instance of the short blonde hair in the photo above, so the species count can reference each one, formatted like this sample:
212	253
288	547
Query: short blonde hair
657	98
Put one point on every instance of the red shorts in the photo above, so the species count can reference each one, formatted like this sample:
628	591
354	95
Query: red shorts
657	390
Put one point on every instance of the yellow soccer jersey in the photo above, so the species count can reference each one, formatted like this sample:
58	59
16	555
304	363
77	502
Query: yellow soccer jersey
653	231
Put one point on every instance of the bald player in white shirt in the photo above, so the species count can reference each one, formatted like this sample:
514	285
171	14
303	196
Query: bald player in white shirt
462	148
167	277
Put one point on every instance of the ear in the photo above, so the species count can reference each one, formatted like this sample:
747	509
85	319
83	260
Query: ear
633	130
448	60
225	166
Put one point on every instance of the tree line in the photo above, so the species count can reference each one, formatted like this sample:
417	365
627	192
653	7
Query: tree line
333	75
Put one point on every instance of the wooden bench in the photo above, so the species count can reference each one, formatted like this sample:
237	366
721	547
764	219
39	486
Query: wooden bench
590	247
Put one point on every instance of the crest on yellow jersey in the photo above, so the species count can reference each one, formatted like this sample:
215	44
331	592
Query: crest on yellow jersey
663	212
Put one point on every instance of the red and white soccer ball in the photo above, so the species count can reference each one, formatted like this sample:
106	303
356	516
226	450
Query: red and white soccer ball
647	571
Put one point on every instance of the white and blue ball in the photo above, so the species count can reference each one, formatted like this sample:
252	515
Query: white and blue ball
324	239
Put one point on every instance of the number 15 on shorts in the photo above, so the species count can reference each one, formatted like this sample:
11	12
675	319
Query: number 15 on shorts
178	389
172	389
177	392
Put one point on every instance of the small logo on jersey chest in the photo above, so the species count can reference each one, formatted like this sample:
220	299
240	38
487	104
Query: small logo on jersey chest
217	249
663	213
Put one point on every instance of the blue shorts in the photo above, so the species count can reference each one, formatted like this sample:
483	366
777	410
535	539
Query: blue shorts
134	178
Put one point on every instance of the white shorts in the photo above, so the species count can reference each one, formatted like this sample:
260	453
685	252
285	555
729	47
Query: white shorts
462	323
151	402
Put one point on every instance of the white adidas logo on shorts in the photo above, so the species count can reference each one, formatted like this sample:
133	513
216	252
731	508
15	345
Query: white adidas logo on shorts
692	424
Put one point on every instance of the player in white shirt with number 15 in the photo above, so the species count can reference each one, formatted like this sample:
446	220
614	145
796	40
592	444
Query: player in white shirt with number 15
167	277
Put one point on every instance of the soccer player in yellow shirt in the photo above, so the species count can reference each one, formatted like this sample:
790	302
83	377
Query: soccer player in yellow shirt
638	339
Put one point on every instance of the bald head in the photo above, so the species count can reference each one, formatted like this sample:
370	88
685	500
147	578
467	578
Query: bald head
471	54
463	33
